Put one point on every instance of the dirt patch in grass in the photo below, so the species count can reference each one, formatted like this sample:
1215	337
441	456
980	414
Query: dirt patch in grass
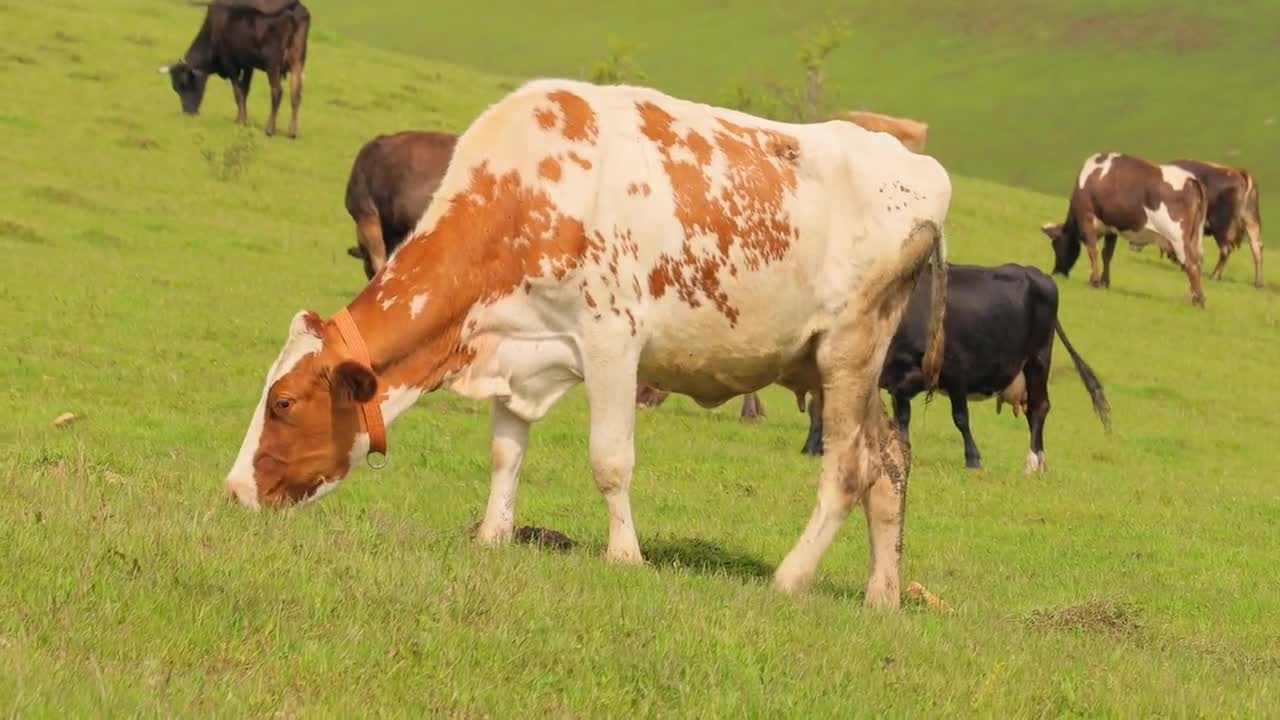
1154	28
62	196
18	231
1094	617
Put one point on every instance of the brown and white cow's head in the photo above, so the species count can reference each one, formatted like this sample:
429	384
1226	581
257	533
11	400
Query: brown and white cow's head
306	431
1066	249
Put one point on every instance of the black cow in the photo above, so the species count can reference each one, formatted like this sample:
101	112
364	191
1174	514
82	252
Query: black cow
1000	323
238	36
392	181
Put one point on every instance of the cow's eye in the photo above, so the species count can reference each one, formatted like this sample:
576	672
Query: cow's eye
283	404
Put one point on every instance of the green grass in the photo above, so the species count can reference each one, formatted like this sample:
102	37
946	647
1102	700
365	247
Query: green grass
147	295
1016	91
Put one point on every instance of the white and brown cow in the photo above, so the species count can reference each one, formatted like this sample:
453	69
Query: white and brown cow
1119	194
611	236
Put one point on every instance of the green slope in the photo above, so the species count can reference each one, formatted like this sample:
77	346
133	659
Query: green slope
146	288
1017	91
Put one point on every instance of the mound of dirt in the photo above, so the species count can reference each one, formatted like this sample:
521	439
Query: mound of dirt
544	538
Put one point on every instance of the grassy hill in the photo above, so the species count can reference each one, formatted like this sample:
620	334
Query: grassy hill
152	264
1016	91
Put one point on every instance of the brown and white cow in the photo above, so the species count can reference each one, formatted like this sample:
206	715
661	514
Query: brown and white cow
1119	194
1232	214
392	181
611	236
911	133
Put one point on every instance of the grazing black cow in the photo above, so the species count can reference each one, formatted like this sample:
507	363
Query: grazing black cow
1000	323
392	182
651	397
238	36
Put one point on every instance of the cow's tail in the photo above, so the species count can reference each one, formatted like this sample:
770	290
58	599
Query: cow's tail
1202	216
1091	381
1253	225
932	364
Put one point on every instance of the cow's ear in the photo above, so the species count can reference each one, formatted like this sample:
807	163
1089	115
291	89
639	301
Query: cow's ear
306	321
1053	231
354	381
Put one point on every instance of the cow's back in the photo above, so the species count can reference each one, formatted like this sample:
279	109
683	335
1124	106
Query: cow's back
394	177
699	226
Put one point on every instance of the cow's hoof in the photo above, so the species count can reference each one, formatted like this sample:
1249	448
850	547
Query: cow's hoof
1198	302
811	450
624	555
493	536
973	464
1095	283
292	134
1036	462
883	596
1259	285
269	132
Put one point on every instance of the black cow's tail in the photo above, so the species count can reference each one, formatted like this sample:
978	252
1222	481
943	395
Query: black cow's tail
1091	381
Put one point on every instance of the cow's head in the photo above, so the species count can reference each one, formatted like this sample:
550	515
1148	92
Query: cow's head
305	433
358	252
1066	249
188	83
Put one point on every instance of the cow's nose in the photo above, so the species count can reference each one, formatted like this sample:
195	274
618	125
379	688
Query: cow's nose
241	492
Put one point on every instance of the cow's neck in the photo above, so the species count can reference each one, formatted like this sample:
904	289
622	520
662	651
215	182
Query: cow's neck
412	325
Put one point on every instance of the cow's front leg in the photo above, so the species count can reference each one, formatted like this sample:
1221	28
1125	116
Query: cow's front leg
1090	241
509	436
611	392
1108	250
277	93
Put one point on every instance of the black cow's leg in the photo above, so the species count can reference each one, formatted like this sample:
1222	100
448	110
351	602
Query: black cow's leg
1036	372
813	443
960	416
277	93
902	415
1224	252
1108	249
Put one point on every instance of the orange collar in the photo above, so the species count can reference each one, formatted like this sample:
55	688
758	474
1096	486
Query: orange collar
370	411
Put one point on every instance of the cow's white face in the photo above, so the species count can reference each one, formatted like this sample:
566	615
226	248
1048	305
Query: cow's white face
305	434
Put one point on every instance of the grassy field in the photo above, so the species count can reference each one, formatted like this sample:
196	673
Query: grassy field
152	264
1015	91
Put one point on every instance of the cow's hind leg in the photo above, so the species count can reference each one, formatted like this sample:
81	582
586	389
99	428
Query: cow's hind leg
854	430
277	92
960	416
509	435
295	100
611	391
902	414
1036	372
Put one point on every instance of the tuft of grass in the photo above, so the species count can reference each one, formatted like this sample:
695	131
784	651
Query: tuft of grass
1099	617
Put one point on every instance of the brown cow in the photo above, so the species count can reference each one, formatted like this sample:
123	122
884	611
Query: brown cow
1233	211
392	182
1120	194
236	37
911	133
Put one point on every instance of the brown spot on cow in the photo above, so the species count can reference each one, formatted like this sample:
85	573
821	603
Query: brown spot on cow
748	212
546	118
549	168
582	162
641	189
591	302
579	119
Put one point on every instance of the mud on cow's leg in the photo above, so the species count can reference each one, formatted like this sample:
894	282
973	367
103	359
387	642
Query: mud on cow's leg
853	425
885	505
611	389
509	436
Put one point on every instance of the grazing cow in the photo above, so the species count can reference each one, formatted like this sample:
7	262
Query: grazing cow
392	182
1124	195
651	397
1232	214
999	329
911	133
236	37
612	235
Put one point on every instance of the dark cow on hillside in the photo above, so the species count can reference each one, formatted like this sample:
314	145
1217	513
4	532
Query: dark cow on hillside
1124	195
238	36
999	325
1233	211
392	182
